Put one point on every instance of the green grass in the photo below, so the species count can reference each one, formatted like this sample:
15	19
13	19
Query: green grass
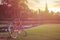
43	32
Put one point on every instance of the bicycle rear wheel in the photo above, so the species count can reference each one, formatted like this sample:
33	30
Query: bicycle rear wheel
23	33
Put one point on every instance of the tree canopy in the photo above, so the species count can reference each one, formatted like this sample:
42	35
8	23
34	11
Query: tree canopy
13	8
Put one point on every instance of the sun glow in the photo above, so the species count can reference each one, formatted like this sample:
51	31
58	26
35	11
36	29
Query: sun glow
40	4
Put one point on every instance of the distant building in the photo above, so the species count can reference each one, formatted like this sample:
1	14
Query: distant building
46	9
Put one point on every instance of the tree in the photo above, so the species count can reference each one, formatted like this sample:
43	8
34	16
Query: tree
14	8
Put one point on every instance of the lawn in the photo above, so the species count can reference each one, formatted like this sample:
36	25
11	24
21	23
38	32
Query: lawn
43	32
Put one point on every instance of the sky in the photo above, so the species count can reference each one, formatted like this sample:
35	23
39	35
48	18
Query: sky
53	5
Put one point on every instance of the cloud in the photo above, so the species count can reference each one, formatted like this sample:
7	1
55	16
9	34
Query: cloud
33	3
57	3
37	1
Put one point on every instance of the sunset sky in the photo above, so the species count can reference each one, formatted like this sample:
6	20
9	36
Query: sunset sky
53	5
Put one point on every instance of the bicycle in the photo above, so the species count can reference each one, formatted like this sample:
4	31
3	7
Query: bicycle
16	34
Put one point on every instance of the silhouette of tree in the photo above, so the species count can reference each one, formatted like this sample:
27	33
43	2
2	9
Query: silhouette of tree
14	9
